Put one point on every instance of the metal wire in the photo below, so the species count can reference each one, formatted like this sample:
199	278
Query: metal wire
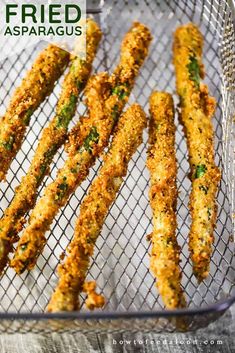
120	264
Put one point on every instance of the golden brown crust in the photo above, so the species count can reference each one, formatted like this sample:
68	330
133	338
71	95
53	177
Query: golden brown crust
161	163
197	108
105	99
37	84
52	138
93	299
94	209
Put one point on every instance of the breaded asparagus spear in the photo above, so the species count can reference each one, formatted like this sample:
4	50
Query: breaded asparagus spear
94	209
37	84
161	163
197	108
105	100
52	138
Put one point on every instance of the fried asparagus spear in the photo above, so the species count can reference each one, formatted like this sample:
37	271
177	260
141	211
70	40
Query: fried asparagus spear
94	209
197	108
52	138
37	84
106	98
161	162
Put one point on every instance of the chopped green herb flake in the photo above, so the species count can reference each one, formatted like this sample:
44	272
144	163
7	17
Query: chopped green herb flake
67	112
63	187
24	247
43	168
200	170
93	137
8	145
73	66
27	116
41	174
120	92
80	85
194	70
48	155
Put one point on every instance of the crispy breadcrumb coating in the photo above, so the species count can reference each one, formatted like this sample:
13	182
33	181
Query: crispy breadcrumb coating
52	138
93	299
161	162
94	208
37	84
106	98
197	108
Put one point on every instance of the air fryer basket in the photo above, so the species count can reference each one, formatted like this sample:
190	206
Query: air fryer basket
120	264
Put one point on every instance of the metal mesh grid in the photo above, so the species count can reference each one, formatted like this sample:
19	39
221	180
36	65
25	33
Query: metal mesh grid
120	264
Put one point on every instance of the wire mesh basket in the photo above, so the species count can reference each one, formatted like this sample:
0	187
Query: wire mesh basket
120	264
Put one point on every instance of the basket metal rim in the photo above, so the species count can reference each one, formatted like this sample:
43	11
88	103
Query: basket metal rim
219	307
